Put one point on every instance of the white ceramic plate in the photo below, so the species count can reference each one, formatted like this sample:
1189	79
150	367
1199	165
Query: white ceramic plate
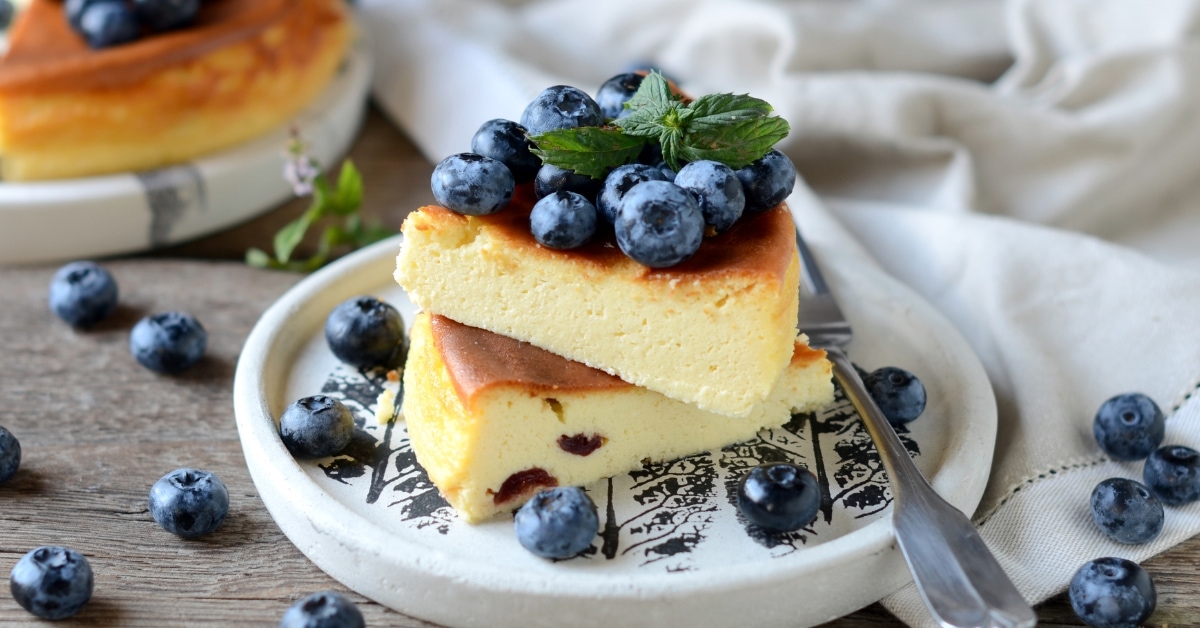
672	550
122	213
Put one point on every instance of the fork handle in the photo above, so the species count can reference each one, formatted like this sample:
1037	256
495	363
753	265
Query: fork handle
959	579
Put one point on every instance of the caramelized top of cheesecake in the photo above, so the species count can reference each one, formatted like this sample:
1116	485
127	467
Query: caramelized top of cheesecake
479	360
46	54
758	243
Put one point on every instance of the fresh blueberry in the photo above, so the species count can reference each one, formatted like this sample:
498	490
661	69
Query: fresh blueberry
83	293
109	23
618	183
168	343
1172	473
316	427
326	609
898	393
189	502
779	497
1129	426
768	181
165	15
563	220
506	142
717	190
1112	593
472	184
365	332
561	107
7	11
616	91
670	174
73	10
551	179
1126	511
52	582
557	523
10	455
659	224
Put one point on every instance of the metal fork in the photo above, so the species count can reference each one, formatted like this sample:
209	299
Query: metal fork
959	579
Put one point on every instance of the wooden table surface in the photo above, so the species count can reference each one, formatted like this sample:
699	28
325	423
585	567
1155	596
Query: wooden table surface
97	430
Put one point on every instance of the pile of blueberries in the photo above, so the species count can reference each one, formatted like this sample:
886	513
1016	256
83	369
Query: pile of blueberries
105	23
1113	591
659	216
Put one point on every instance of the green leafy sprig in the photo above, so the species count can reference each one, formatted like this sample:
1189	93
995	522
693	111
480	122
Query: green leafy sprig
328	201
733	129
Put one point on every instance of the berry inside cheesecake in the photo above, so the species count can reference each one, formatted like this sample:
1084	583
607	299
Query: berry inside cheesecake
493	419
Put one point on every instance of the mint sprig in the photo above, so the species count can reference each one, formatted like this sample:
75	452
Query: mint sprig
328	201
734	129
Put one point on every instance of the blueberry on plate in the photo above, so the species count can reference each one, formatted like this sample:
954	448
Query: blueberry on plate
779	497
10	455
768	181
561	107
557	523
898	393
506	142
52	582
83	293
472	184
1172	473
717	190
169	343
659	224
1129	426
165	15
551	179
617	91
189	502
563	220
107	23
316	427
365	332
325	609
618	183
1126	511
1112	593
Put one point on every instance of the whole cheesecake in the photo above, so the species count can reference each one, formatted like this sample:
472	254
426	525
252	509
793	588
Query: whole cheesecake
493	420
244	68
716	331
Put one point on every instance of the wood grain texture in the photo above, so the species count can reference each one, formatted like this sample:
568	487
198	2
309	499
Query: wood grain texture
97	430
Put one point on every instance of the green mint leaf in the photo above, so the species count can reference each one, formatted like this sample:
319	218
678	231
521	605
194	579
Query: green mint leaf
349	190
589	150
258	258
671	146
736	145
290	236
650	107
717	110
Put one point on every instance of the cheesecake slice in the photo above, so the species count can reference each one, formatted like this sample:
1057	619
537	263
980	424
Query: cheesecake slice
716	330
493	420
244	68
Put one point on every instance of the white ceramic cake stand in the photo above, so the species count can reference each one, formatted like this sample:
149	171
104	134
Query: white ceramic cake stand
672	551
122	213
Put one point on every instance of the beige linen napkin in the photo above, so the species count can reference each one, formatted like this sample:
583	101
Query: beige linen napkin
1027	167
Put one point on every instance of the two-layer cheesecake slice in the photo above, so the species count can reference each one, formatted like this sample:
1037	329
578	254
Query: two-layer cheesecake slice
493	420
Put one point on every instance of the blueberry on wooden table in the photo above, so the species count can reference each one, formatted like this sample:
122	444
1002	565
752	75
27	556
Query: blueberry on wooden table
1112	593
471	184
83	294
899	394
365	332
768	181
561	107
316	427
616	91
169	343
717	189
1126	511
506	142
1129	426
557	523
1173	474
189	502
618	183
563	220
10	455
779	497
659	224
325	609
52	582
